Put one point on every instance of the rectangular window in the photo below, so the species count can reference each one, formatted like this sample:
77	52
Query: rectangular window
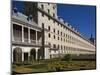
54	30
48	3
54	37
53	15
48	18
49	35
61	33
58	31
42	14
53	21
48	11
42	6
61	39
58	38
49	28
42	25
53	7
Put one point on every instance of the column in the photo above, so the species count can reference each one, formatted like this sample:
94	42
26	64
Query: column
29	35
12	55
29	55
36	53
36	37
12	33
22	34
22	56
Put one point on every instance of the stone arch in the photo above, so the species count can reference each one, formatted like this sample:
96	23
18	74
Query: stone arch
33	54
17	54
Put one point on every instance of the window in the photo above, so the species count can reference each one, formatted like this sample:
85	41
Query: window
48	11
61	46
64	47
42	25
49	28
58	46
42	6
49	44
48	18
61	25
66	35
58	31
58	24
43	14
53	21
64	40
58	38
49	35
53	15
54	30
61	33
61	39
48	3
54	36
53	7
54	46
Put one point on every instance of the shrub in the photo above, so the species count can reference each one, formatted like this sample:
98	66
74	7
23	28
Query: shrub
67	57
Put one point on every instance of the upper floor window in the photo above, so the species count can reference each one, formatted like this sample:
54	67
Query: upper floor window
66	35
54	46
53	21
48	11
49	44
43	14
58	24
64	40
58	46
61	33
54	37
54	30
49	28
61	39
53	15
42	6
42	25
48	3
61	25
58	31
61	46
58	38
53	7
49	35
48	18
64	47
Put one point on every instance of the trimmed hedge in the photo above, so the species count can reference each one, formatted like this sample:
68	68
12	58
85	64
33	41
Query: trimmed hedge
67	57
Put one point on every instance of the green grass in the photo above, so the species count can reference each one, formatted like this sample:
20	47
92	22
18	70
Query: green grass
52	65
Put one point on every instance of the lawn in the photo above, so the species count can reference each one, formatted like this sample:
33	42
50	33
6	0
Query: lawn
52	66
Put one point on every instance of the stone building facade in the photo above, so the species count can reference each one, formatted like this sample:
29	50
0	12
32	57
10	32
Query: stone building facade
39	33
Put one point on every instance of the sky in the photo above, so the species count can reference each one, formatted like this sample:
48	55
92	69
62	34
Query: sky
81	17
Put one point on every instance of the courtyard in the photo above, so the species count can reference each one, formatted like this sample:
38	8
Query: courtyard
52	65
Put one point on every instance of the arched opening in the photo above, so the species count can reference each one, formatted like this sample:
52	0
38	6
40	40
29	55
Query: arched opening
33	54
17	55
39	54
